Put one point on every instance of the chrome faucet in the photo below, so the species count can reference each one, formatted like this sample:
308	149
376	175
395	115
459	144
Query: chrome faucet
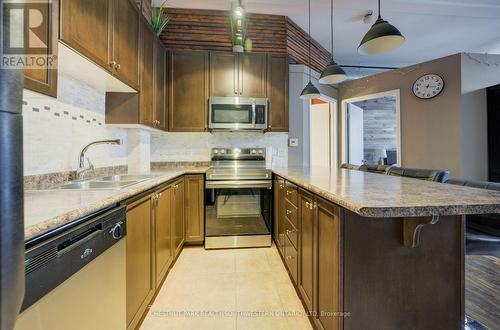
82	172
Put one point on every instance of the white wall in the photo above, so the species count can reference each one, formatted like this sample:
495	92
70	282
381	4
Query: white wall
170	147
299	112
479	71
320	136
356	134
55	130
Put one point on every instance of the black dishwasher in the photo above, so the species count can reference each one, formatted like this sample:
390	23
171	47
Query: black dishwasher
52	260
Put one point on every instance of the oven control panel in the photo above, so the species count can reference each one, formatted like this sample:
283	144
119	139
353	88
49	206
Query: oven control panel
238	153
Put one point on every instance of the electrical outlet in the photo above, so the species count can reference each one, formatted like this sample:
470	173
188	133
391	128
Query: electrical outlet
293	142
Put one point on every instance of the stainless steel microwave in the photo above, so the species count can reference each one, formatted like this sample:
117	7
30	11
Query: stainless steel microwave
237	113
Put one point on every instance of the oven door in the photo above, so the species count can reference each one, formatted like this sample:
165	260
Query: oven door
238	213
233	113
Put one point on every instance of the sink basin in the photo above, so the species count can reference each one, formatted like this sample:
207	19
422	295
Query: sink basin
128	177
90	185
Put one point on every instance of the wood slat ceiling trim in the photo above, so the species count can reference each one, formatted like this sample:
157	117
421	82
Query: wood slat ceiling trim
199	29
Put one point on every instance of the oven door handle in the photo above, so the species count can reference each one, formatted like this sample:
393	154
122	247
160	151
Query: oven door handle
253	114
235	184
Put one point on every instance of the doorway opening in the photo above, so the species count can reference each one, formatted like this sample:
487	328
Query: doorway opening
372	129
323	140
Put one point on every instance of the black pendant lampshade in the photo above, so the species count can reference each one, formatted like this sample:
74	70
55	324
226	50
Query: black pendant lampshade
333	73
310	92
381	38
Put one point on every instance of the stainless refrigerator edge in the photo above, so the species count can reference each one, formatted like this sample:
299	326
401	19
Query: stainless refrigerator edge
11	195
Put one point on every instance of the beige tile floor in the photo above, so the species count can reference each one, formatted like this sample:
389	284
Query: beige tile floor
227	285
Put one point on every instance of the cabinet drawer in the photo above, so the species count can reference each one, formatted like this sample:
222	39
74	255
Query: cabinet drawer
291	259
292	233
291	193
291	213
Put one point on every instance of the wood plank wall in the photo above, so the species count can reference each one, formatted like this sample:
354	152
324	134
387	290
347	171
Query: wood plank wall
192	29
297	47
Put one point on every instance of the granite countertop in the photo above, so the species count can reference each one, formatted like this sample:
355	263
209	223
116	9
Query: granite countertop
45	210
378	195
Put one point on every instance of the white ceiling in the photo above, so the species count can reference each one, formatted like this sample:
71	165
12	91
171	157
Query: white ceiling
433	28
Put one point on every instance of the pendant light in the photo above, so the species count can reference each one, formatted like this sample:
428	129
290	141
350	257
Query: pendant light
333	73
381	38
310	91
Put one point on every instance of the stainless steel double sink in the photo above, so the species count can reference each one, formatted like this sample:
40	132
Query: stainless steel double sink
114	182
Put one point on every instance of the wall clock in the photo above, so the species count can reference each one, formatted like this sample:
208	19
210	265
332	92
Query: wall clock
428	86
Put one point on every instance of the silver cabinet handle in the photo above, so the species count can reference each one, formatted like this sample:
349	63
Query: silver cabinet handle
289	257
315	205
112	64
307	204
118	66
288	212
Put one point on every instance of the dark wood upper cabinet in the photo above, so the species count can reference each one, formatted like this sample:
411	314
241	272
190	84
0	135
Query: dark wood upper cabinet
106	32
233	74
45	80
188	91
252	75
126	22
160	86
147	77
307	271
86	27
224	74
277	92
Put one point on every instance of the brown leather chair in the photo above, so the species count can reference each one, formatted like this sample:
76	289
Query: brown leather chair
349	166
482	231
420	173
381	169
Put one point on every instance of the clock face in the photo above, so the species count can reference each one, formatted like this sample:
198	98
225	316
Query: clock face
428	86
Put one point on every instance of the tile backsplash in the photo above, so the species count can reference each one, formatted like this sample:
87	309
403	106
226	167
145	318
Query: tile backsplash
56	129
167	147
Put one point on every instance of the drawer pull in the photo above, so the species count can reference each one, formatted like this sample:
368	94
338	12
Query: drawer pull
290	231
288	212
289	258
288	192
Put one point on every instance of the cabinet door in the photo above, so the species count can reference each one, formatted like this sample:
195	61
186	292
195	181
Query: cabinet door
194	205
85	26
252	76
45	80
163	234
277	92
291	259
178	216
147	77
328	255
140	282
307	271
188	96
126	22
160	73
277	187
223	74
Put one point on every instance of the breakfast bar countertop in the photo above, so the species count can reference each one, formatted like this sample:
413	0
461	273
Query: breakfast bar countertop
383	196
48	209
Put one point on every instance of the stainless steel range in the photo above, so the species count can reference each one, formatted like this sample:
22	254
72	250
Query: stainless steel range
238	199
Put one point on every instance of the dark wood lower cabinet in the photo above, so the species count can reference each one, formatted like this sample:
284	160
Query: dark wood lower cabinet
164	254
307	244
327	296
155	238
195	208
139	259
279	217
355	272
178	216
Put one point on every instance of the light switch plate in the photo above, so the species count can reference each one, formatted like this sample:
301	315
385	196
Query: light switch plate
293	142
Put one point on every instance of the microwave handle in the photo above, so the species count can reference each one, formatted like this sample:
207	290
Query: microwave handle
253	113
